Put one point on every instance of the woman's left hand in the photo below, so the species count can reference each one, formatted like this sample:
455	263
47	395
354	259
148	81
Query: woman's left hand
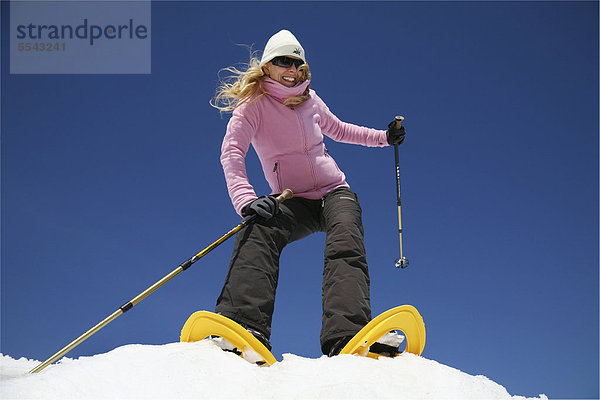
395	135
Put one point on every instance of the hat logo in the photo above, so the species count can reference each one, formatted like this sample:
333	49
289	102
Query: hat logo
297	51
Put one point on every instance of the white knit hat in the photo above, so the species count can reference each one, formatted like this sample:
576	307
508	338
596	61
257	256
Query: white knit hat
283	43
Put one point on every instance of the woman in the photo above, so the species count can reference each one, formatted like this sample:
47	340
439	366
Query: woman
275	110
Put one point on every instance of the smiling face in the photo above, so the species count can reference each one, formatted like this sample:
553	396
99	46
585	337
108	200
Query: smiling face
287	76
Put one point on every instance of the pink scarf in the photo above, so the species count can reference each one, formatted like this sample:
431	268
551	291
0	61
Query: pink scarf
282	92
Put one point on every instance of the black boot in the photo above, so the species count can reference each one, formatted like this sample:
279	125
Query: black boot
261	338
334	346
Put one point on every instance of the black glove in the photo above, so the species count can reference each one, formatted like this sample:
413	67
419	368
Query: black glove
394	135
265	207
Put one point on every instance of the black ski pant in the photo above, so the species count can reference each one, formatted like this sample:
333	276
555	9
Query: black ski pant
248	296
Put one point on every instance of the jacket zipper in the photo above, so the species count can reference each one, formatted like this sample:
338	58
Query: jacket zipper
275	168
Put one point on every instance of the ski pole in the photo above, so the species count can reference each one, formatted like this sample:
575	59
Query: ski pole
401	262
287	194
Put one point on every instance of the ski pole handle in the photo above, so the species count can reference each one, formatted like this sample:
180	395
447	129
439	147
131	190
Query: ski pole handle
285	195
399	119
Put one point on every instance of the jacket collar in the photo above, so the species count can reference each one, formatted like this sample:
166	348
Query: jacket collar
281	92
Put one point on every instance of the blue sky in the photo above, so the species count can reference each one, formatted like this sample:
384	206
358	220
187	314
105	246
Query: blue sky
110	181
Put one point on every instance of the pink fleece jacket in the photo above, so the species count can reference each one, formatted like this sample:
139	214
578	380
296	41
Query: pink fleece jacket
289	144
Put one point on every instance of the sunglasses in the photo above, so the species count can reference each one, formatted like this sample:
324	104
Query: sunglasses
287	62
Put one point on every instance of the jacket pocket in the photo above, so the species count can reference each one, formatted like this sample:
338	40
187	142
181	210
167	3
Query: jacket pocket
333	161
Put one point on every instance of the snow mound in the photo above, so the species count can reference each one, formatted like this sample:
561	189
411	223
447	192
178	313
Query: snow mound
201	370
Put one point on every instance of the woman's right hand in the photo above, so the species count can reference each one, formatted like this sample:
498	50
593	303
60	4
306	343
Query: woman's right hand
265	207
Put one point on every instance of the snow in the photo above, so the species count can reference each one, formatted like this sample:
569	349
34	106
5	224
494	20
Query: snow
201	370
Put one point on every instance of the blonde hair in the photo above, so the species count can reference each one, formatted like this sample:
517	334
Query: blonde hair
244	86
